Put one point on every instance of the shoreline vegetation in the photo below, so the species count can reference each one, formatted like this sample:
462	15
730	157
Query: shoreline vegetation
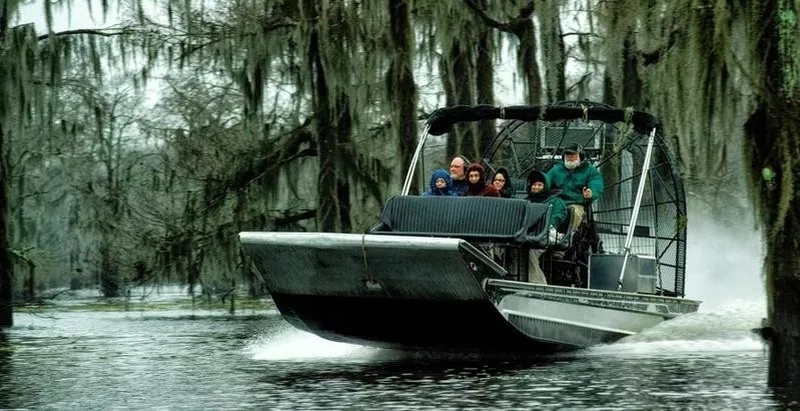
65	300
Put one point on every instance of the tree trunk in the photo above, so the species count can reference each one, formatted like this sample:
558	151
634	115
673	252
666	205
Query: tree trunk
485	86
608	89
21	235
401	77
457	73
29	291
328	212
784	358
553	51
631	81
19	232
521	27
773	131
448	87
6	273
343	132
526	57
109	276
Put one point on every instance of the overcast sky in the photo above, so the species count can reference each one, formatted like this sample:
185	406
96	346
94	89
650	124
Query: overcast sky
73	17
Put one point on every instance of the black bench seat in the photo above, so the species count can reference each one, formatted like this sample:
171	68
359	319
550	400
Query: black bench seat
479	219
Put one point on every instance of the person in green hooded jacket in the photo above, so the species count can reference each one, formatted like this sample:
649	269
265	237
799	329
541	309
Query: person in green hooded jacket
539	192
579	181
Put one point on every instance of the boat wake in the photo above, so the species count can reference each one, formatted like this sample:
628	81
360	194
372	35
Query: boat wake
724	266
286	343
727	329
289	344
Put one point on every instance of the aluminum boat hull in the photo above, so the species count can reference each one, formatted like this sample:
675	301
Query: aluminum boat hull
436	294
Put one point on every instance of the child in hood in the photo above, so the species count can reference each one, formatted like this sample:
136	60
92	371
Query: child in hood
440	184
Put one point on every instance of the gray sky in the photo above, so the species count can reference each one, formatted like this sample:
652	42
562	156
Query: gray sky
77	16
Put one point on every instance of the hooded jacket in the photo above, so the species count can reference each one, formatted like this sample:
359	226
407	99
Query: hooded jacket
435	191
572	182
559	209
480	189
507	191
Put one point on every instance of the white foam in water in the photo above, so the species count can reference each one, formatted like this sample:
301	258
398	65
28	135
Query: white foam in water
723	271
290	344
286	343
729	328
723	263
671	347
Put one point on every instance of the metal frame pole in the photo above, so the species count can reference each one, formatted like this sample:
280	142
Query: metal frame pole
636	205
414	160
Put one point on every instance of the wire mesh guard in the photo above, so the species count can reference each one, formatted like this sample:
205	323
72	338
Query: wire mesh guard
619	153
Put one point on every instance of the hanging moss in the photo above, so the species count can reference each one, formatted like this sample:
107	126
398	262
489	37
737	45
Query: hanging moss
788	45
695	73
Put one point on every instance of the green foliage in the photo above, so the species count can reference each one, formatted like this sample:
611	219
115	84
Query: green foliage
695	61
249	103
231	147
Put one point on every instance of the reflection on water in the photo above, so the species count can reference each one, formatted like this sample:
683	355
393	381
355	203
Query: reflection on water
177	360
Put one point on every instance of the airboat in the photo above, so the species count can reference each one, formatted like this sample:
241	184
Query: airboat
450	273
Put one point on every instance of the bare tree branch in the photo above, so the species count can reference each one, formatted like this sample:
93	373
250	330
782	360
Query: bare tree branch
580	33
506	27
514	26
100	32
581	80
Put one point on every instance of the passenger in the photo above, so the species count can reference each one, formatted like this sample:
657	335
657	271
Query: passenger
539	192
579	181
458	172
502	182
440	184
477	183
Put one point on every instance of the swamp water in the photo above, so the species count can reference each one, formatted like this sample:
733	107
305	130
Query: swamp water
173	358
180	360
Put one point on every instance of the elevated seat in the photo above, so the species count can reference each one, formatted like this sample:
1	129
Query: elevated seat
479	219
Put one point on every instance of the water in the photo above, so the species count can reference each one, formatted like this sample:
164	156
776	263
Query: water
176	360
172	359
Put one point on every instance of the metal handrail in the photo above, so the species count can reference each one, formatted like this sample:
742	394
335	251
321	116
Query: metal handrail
636	205
412	167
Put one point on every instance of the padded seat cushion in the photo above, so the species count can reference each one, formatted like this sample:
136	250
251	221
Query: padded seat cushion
506	220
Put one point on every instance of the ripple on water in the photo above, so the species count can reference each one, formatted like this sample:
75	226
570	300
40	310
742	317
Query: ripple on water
159	360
